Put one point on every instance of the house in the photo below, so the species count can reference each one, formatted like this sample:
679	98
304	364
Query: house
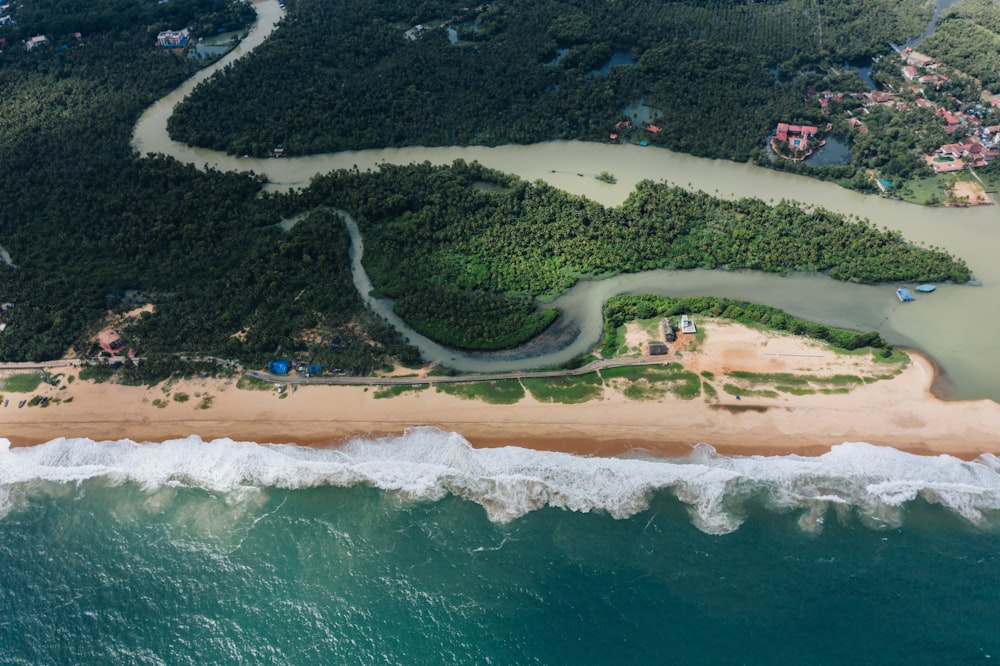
37	40
170	39
910	73
687	326
110	341
797	137
654	129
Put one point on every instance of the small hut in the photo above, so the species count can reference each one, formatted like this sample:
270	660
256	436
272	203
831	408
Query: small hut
687	326
656	348
667	331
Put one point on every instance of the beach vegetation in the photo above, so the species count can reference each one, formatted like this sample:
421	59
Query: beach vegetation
160	403
711	394
570	389
795	390
23	383
98	373
639	382
741	391
394	390
181	397
501	392
206	401
251	383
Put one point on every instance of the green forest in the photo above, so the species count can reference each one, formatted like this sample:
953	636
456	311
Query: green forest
968	38
347	75
87	223
437	237
94	231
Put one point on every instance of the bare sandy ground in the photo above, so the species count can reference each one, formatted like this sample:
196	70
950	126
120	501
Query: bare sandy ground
899	412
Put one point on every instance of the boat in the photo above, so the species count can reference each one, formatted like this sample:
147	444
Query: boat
926	288
904	295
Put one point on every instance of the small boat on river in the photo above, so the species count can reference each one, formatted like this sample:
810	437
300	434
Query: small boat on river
925	288
904	295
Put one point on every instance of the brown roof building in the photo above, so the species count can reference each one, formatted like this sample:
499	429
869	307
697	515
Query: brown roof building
110	340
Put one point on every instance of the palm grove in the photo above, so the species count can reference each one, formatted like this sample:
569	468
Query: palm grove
86	221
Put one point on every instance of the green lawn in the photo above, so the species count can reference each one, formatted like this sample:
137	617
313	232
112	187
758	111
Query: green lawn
565	389
397	389
501	392
25	383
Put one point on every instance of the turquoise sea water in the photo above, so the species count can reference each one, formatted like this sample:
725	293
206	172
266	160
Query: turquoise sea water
421	550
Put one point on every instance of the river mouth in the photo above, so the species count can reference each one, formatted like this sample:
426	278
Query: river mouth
955	325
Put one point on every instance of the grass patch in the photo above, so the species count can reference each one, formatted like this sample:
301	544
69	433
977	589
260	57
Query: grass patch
248	383
926	191
181	397
708	374
206	402
789	379
25	383
97	373
397	389
895	356
832	391
653	382
500	392
568	390
795	390
710	392
160	403
732	389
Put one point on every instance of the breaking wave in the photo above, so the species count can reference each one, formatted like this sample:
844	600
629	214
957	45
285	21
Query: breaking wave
426	464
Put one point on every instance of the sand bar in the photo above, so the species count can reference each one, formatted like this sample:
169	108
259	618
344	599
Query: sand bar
900	412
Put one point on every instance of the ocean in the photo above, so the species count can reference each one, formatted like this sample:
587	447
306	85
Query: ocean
419	549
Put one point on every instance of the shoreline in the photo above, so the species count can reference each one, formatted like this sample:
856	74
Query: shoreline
900	412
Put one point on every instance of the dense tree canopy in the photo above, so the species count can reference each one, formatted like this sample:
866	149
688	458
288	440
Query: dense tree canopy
347	75
439	236
88	224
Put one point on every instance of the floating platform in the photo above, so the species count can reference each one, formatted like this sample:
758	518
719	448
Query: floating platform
926	288
904	295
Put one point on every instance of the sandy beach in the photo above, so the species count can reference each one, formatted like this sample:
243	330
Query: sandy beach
899	411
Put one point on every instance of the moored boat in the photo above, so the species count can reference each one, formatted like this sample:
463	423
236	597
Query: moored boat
926	288
904	295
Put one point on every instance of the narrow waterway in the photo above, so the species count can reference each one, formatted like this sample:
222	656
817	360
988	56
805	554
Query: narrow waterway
955	325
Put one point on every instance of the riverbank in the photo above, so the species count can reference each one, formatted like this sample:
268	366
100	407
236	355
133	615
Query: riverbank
899	412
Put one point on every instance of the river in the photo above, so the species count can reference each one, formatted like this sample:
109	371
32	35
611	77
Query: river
955	325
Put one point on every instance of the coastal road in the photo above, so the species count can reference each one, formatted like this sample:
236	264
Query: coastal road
455	379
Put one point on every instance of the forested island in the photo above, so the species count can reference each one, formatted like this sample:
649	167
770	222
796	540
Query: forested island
196	262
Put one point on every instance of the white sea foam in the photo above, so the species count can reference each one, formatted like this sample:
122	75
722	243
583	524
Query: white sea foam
428	464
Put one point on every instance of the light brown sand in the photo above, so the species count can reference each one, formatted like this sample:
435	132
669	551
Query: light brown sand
899	412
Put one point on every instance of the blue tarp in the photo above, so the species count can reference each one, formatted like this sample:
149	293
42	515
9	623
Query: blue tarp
279	367
314	369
